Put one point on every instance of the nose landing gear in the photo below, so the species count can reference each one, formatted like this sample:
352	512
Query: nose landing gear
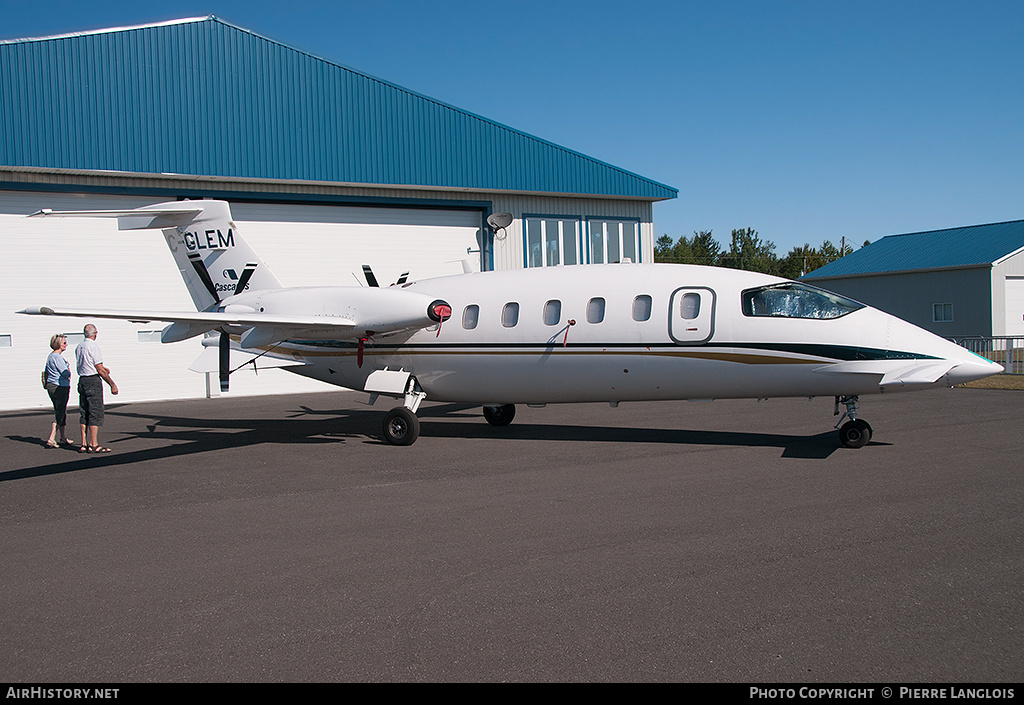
855	433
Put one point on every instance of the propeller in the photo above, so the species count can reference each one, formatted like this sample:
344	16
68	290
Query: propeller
224	345
224	361
372	280
368	273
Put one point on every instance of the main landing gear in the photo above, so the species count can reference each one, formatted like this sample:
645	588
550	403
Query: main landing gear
855	433
501	415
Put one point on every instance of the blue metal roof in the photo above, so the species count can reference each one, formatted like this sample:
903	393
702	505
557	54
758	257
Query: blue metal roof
204	97
970	246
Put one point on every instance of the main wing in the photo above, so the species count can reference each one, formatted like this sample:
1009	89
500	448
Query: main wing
188	324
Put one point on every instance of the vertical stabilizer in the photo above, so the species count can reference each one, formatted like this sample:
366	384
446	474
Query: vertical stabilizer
211	255
213	259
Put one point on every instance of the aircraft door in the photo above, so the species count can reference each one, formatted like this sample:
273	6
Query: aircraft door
692	315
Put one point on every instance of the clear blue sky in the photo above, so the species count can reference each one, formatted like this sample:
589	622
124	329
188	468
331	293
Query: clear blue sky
804	119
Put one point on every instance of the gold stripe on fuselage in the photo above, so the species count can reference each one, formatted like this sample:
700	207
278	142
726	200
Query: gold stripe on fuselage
720	356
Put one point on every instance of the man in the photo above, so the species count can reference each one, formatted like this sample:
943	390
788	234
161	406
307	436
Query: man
91	371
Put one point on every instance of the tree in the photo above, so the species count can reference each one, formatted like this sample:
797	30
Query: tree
663	249
802	260
705	248
702	248
747	251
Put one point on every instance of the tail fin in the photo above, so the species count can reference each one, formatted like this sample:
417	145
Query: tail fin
213	259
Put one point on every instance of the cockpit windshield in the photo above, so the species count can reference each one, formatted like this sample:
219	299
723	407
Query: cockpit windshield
793	300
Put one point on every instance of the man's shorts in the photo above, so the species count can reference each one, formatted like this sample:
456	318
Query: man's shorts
90	400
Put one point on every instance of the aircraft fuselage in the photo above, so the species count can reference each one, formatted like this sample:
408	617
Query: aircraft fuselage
614	333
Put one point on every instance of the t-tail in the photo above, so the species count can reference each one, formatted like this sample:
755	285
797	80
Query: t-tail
211	255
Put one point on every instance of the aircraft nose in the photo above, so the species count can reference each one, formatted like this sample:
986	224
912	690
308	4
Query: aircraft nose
973	368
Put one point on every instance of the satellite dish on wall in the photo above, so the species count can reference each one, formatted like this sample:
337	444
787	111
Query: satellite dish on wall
499	221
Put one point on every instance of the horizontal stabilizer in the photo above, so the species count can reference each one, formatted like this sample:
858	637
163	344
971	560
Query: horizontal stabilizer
135	218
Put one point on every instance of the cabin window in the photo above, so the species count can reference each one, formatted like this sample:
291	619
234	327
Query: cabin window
470	317
595	310
510	315
689	306
552	312
793	300
551	242
642	308
613	241
942	313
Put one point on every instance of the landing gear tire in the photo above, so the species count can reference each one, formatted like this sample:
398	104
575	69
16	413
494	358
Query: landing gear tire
401	427
855	434
500	415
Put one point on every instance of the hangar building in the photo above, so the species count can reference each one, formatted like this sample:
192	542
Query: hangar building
957	283
326	169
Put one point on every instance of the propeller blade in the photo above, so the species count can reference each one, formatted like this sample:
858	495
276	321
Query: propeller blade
244	279
224	366
401	279
368	273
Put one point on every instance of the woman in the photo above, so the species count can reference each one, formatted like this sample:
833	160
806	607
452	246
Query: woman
58	386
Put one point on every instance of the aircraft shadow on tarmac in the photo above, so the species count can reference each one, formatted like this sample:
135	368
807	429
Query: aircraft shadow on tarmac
190	436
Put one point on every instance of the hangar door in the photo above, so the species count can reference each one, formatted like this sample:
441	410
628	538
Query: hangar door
328	245
1015	306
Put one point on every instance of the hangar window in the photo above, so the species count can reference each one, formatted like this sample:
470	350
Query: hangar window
642	308
551	241
613	241
595	310
942	313
552	312
792	300
470	317
510	315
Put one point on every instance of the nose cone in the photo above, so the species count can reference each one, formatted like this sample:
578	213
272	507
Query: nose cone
961	364
972	368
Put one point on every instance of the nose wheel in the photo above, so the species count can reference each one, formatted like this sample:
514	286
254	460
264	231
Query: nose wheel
855	433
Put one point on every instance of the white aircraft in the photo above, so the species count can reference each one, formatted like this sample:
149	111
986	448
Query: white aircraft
586	333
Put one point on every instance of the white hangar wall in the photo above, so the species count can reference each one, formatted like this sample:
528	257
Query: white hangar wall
1008	296
88	262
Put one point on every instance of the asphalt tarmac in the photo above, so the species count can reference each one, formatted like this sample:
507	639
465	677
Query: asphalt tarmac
277	539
